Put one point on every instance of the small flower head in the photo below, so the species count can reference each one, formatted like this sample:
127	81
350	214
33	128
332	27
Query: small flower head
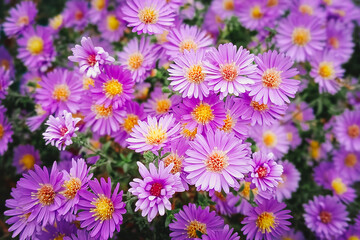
25	158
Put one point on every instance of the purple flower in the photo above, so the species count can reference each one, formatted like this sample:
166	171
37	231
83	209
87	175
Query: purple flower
80	235
155	189
160	103
224	9
300	113
272	79
347	163
341	189
21	17
112	26
292	134
6	131
224	234
35	122
225	205
326	216
215	161
76	14
267	221
153	134
60	90
352	233
91	59
148	16
323	174
101	211
347	130
228	69
56	23
59	230
194	219
98	10
5	82
265	172
25	157
61	129
213	23
308	8
290	181
292	235
30	82
6	60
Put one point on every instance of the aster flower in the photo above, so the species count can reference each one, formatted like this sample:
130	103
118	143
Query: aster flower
61	129
341	189
60	229
216	161
192	219
80	235
21	17
59	90
25	157
148	16
290	181
347	130
139	57
326	216
184	38
266	221
35	122
112	26
6	60
227	69
308	8
225	9
322	174
98	10
271	139
36	48
272	79
30	82
300	113
300	37
351	234
347	163
225	205
292	135
155	189
91	59
213	23
316	150
101	210
113	87
56	23
292	235
5	82
6	131
153	134
76	14
224	234
160	103
325	69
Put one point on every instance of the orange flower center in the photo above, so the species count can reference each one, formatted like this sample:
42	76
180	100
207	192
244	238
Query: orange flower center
301	36
71	186
353	131
61	92
228	5
271	78
101	111
176	160
217	161
104	208
130	122
163	106
135	61
258	107
113	88
194	227
350	160
188	44
203	113
325	217
27	161
148	15
256	13
46	194
229	72
23	20
195	74
306	9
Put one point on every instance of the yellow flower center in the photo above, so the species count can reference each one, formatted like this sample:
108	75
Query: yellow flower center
101	111
72	186
135	61
195	74
229	124
315	149
338	186
163	106
298	115
353	131
328	2
272	3
271	78
228	5
256	13
258	107
112	22
61	92
194	226
60	236
130	122
35	45
46	194
87	82
334	42
176	160
188	44
286	238
269	139
350	160
1	131
306	9
353	237
340	12
148	15
104	208
266	222
229	72
113	88
216	161
325	217
188	133
156	136
56	21
326	70
98	4
27	161
23	20
203	113
301	36
289	136
246	191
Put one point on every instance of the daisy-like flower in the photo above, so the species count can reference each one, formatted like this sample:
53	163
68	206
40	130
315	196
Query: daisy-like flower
352	233
300	37
192	219
325	69
292	235
188	75
59	90
347	130
6	131
98	10
265	172
25	157
290	181
148	16
75	181
21	17
102	210
227	69
80	235
5	82
60	230
36	47
112	26
160	103
300	113
184	38
267	221
153	134
348	163
271	139
155	189
213	23
273	83
35	122
225	205
6	60
76	14
61	129
225	9
292	134
308	8
30	82
216	161
201	115
226	233
113	87
316	149
175	4
139	57
260	113
341	189
322	174
91	59
56	23
326	216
